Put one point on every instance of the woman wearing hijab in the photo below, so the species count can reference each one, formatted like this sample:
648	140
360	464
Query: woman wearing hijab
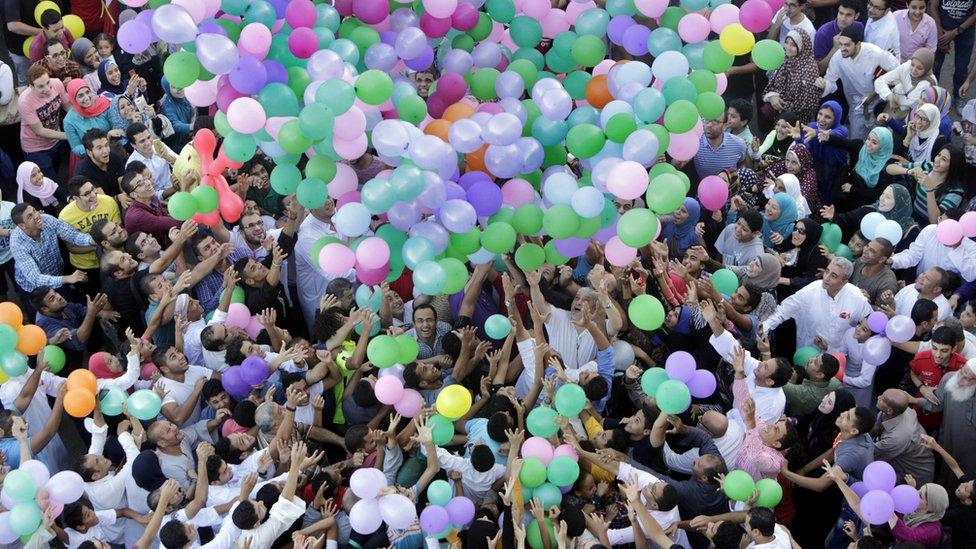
799	163
924	526
922	135
109	373
88	111
113	83
789	184
895	203
85	54
903	86
180	113
829	160
867	179
39	191
823	426
761	273
801	257
790	87
778	140
778	219
680	233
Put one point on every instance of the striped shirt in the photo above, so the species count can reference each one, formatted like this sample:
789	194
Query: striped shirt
711	161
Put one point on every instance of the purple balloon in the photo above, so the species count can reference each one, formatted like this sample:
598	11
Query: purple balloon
635	39
486	54
211	26
617	27
249	76
859	488
877	507
276	71
876	350
486	198
533	155
504	161
226	95
380	56
509	84
900	329
388	37
458	216
422	61
134	37
459	61
434	519
461	510
233	383
879	475
280	6
605	234
571	247
877	321
502	129
702	384
399	20
404	214
410	43
906	498
470	178
254	370
680	365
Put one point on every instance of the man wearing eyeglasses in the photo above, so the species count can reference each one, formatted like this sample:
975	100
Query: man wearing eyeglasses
52	27
57	63
882	29
87	206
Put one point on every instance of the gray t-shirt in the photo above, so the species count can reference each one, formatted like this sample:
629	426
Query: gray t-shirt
853	455
876	284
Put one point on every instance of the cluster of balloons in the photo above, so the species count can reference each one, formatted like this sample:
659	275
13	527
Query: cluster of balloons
831	238
376	505
239	380
201	200
444	512
239	316
547	473
880	498
30	490
875	225
740	486
72	22
674	385
18	341
897	329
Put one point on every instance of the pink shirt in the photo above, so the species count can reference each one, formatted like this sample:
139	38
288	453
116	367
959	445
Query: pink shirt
38	50
46	111
755	457
925	36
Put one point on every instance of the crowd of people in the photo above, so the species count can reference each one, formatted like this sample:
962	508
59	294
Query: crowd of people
859	123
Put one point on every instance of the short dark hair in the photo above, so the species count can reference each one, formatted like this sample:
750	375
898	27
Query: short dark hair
753	219
133	130
856	5
482	458
37	296
762	519
863	420
50	17
211	388
728	535
173	536
245	516
886	247
127	178
943	335
668	499
213	466
410	378
784	371
853	32
91	136
743	107
87	544
73	514
85	472
789	438
829	365
355	437
596	388
235	353
498	423
716	467
922	310
34	72
51	42
76	183
419	308
97	230
363	394
17	213
753	296
209	340
228	452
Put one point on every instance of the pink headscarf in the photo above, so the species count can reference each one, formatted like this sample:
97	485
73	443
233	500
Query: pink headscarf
44	192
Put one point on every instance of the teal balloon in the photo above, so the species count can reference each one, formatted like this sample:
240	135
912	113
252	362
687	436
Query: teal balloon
20	485
13	363
651	379
439	492
378	195
337	95
416	250
316	121
429	278
830	237
285	179
111	401
725	281
8	338
498	326
804	354
25	518
541	422
594	21
312	193
679	87
240	147
673	397
259	11
563	471
144	404
549	494
662	39
649	105
278	100
533	472
442	428
570	400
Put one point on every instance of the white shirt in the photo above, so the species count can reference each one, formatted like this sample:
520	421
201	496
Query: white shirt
37	412
160	170
926	252
108	492
968	348
858	385
770	402
906	298
205	517
664	518
312	281
178	393
476	484
781	540
192	347
899	83
804	25
281	515
728	446
818	314
857	73
126	380
575	347
884	34
97	532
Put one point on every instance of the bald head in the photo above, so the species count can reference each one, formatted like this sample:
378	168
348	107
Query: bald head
715	423
897	400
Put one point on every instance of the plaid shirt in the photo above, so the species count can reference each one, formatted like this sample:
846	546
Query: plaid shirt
209	287
39	262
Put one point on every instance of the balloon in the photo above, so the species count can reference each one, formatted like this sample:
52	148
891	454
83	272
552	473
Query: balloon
713	191
54	358
563	471
460	509
439	492
905	497
453	401
651	379
383	351
11	315
82	379
442	428
876	507
876	350
879	475
111	401
539	448
949	232
831	236
533	533
79	402
680	365
498	326
144	404
870	223
877	321
756	16
637	227
367	482
570	400
31	339
803	355
725	281
549	494
410	404
673	397
65	487
736	40
173	24
890	230
900	329
364	517
541	422
182	206
646	312
25	518
238	315
738	485
19	485
770	493
532	473
434	518
968	223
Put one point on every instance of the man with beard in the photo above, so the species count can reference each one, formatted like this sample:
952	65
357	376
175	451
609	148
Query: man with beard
108	235
87	206
101	165
70	325
954	397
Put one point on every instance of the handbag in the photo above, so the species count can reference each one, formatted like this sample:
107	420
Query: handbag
9	114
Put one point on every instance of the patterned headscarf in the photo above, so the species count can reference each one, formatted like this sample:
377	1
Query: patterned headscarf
793	81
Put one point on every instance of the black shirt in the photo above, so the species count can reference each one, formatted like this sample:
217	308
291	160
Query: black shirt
122	294
108	179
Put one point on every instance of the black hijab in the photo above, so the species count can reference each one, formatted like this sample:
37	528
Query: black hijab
823	427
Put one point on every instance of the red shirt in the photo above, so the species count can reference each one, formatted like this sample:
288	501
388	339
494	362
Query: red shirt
930	373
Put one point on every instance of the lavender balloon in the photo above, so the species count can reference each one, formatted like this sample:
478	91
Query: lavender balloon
458	216
434	519
217	53
504	161
465	136
486	54
254	370
533	155
906	498
461	510
702	384
681	366
877	321
410	43
571	247
325	65
403	215
508	84
249	76
879	475
433	232
486	198
422	61
502	129
380	56
459	61
877	507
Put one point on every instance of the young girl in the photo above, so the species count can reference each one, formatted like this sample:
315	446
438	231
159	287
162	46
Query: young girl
105	46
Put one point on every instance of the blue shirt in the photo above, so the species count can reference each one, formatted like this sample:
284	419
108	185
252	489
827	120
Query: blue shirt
477	430
39	262
74	315
823	42
711	161
853	455
605	368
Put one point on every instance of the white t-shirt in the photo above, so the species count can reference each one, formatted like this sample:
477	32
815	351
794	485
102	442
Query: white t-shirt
781	540
105	518
178	392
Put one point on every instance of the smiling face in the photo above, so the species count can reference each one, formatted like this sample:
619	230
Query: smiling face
940	164
790	47
771	434
253	228
886	202
425	320
143	143
799	235
175	363
825	118
126	109
37	177
873	144
84	97
32	220
782	129
917	69
742	232
916	9
793	163
254	273
827	403
113	74
148	246
772	211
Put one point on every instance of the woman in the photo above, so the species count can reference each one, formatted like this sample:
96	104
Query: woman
113	84
680	233
895	203
743	185
789	184
778	219
823	427
829	161
938	183
122	112
85	54
109	372
778	141
924	525
861	186
761	273
922	137
903	86
801	256
791	86
88	111
177	108
799	163
39	191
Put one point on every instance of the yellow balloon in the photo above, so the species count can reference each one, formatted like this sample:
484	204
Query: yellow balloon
76	25
3	377
453	401
43	7
736	40
27	44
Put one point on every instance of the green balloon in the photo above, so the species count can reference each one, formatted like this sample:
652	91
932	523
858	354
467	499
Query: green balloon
483	83
111	401
312	193
549	494
651	379
411	108
530	257
560	221
364	37
716	59
533	472
738	485
830	237
206	197
336	94
144	404
673	397
285	178
563	471
527	69
533	533
316	121
19	485
482	28
527	219
588	50
181	69
770	493
620	126
559	62
681	116
672	16
588	226
456	273
54	358
704	80
666	193
585	140
8	338
409	349
319	167
844	251
725	281
663	137
466	243
504	215
677	88
383	351
804	354
710	105
636	227
541	422
498	326
374	87
240	147
463	42
768	54
25	517
553	256
570	400
646	312
443	429
501	10
298	80
498	238
526	32
182	206
278	100
439	492
291	139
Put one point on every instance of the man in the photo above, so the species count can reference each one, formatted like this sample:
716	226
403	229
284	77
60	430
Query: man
144	150
900	440
718	150
19	25
858	375
146	213
882	30
819	380
871	271
102	166
856	67
738	114
790	17
824	308
312	281
764	532
929	285
34	245
927	367
108	236
70	325
40	105
761	454
742	309
955	399
209	281
699	494
726	435
87	206
174	447
27	395
52	28
954	22
182	382
57	63
825	42
916	29
741	242
926	252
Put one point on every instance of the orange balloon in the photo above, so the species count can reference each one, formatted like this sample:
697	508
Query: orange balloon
82	380
79	402
458	111
31	339
438	128
11	314
476	161
597	93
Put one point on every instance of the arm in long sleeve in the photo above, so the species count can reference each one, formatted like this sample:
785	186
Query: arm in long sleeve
28	266
789	308
963	257
883	83
698	438
69	234
911	256
126	380
925	534
73	133
852	146
865	379
830	78
174	118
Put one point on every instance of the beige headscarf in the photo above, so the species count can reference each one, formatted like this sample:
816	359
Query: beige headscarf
936	502
926	57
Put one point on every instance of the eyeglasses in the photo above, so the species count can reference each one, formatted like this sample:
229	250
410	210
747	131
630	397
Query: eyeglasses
800	230
60	54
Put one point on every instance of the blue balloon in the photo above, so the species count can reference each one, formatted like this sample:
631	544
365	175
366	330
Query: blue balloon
416	250
662	39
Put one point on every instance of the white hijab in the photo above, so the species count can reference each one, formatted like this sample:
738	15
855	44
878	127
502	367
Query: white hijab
792	185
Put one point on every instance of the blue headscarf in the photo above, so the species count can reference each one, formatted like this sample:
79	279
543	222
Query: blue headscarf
784	223
823	152
177	109
869	165
682	235
108	89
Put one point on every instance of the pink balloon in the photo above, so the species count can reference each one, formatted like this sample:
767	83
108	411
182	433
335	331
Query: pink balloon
722	82
537	447
693	28
345	181
409	405
723	16
776	4
713	191
388	390
372	277
255	40
226	95
195	8
336	259
351	196
683	146
253	327
300	13
303	42
238	315
370	11
603	67
352	149
949	232
372	253
516	192
755	15
968	223
575	8
350	124
202	93
627	180
440	8
274	124
565	450
246	115
651	8
618	253
536	9
554	23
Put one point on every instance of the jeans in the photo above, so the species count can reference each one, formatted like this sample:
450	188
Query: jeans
21	64
49	160
962	49
859	125
838	539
